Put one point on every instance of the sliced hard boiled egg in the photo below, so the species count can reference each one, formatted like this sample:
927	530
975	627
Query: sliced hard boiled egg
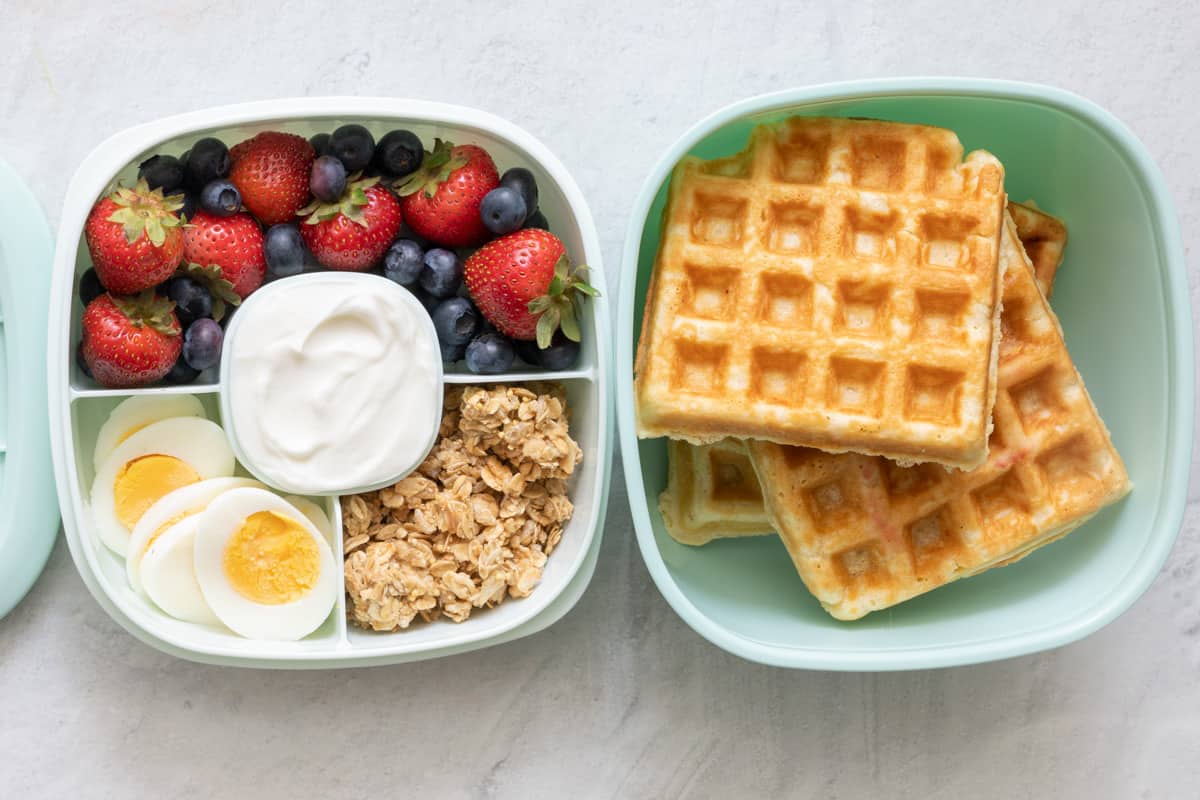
170	509
151	463
264	568
316	515
136	413
168	575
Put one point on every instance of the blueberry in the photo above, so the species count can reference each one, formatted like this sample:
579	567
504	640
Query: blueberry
327	179
442	274
221	198
537	220
181	372
403	262
503	210
523	181
429	301
452	352
89	286
81	362
527	351
399	153
455	321
207	161
162	172
490	354
353	145
285	251
320	143
202	344
561	354
192	299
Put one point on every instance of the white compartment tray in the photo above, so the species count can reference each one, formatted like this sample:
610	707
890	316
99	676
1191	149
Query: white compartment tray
78	406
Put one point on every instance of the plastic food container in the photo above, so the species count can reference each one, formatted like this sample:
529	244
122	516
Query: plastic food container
1122	299
78	406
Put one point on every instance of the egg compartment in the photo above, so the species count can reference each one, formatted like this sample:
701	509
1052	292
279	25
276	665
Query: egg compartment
84	405
88	413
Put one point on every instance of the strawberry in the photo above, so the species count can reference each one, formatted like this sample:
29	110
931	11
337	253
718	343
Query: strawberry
130	341
441	199
134	237
235	244
354	233
525	285
271	173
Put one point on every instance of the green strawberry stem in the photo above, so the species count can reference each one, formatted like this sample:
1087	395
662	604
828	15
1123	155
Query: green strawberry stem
561	305
145	210
149	310
350	205
435	170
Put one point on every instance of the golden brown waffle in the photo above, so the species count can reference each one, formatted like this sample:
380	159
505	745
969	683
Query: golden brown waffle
1044	238
834	285
866	534
711	492
693	515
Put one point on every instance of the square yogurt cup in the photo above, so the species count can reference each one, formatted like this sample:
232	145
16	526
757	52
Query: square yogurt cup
78	406
1122	299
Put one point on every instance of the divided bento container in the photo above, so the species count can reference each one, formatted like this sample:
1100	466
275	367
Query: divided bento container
78	406
1122	299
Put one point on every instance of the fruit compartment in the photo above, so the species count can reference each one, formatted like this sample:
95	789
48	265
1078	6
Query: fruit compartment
83	405
552	202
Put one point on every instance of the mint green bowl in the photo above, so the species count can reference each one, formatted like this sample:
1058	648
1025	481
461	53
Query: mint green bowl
1122	298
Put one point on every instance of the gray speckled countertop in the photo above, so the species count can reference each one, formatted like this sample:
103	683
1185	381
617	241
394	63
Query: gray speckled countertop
619	699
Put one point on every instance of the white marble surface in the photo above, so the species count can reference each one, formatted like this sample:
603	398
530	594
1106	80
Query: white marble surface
620	699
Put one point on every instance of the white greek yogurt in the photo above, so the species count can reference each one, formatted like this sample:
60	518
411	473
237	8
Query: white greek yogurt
331	383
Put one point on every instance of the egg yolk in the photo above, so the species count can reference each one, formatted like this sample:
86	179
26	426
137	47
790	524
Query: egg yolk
271	559
143	481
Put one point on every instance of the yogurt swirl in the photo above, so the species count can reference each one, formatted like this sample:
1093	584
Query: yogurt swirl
334	383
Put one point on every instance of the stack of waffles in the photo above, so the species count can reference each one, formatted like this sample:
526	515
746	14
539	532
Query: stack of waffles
848	342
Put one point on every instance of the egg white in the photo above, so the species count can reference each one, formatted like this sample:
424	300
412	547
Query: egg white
284	622
135	413
197	442
168	575
315	514
184	501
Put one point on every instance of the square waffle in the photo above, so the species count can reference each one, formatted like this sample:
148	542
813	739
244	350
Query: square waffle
866	534
1044	237
696	506
835	285
711	492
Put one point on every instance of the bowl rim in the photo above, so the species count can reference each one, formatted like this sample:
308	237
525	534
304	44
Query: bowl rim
95	172
1168	517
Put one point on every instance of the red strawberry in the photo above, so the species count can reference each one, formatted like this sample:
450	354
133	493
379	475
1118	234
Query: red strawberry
271	173
354	233
235	244
525	285
130	341
134	238
441	199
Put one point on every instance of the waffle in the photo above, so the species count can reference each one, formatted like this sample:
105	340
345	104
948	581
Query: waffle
835	285
866	534
712	492
692	512
1044	238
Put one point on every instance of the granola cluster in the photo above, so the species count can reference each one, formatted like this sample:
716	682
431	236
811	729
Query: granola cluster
475	522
